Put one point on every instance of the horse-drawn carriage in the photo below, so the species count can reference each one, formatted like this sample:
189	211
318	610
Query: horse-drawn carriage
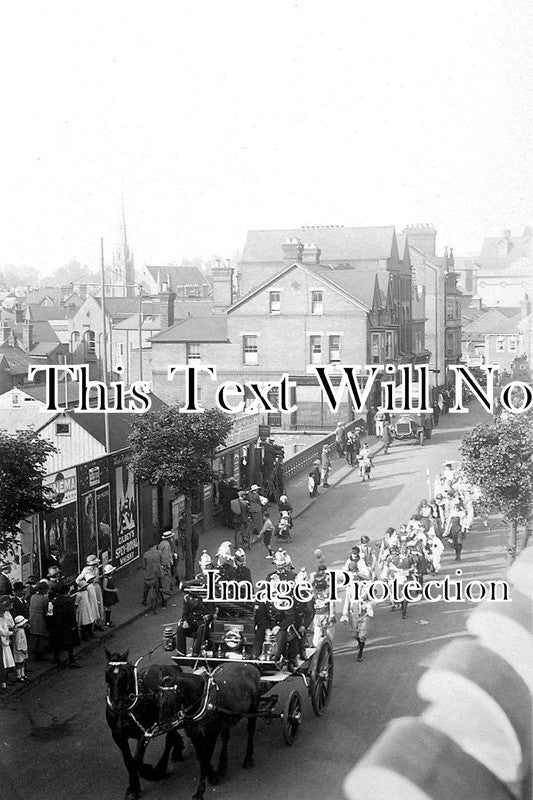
231	640
204	695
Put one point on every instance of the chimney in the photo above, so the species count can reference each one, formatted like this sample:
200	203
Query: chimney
292	250
27	336
166	307
222	278
423	236
311	254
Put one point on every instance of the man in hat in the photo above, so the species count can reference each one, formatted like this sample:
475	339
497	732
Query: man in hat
167	560
240	508
21	606
197	614
65	629
242	572
152	571
324	607
255	508
5	584
326	465
358	610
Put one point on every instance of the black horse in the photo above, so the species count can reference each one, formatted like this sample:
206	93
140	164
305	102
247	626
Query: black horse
132	712
208	707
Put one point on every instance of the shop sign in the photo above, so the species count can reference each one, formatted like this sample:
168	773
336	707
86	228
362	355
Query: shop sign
244	428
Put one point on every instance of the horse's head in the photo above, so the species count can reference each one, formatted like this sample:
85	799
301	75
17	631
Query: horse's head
170	700
120	680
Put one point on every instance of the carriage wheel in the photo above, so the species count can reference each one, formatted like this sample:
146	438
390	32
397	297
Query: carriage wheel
291	717
321	678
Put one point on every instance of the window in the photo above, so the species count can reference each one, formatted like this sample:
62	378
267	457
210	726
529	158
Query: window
121	349
275	302
193	352
75	339
500	345
317	303
375	348
250	351
90	338
389	345
512	345
15	399
62	428
316	349
334	349
450	309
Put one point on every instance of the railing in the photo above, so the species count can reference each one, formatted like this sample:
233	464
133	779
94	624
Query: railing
301	460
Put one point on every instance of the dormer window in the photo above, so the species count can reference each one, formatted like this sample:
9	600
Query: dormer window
275	302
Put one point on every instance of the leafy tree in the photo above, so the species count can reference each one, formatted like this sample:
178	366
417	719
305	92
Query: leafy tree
177	449
499	460
22	459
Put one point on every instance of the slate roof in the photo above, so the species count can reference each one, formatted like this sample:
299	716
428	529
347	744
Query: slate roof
46	313
179	276
493	322
196	329
336	243
16	359
359	283
518	247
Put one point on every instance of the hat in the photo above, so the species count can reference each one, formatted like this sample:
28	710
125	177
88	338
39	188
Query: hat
108	569
365	539
283	498
18	586
92	561
43	584
240	555
53	571
167	535
5	602
205	559
281	558
20	621
31	580
254	487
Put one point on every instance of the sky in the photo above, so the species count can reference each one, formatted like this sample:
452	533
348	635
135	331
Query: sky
211	118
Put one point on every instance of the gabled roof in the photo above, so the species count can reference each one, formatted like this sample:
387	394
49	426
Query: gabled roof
24	417
43	332
46	313
336	243
196	329
358	283
179	276
493	322
120	425
15	358
151	322
44	348
327	276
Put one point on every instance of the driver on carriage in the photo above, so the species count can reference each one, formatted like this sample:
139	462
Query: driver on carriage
197	614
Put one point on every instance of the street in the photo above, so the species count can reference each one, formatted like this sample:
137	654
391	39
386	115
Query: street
54	738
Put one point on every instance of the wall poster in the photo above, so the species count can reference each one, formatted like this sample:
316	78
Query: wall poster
95	511
127	546
60	526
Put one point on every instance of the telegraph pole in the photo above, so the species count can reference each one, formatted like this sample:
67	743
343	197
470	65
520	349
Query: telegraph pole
140	332
104	349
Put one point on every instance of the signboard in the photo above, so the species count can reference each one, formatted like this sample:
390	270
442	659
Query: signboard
127	544
264	431
244	429
60	526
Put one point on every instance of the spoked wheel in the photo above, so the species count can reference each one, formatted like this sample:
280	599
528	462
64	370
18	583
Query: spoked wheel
291	717
321	678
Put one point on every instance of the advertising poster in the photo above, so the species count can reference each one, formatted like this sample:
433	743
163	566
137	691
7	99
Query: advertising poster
127	540
60	527
96	535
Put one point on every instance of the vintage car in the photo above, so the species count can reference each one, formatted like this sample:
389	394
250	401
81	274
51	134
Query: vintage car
412	426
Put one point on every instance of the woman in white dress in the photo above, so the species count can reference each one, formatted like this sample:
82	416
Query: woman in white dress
91	574
85	609
7	625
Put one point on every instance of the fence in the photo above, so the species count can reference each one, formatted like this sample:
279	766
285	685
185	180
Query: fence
300	461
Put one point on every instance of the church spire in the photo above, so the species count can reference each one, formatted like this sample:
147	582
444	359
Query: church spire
123	272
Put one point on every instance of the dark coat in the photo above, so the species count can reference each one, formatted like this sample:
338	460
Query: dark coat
20	608
64	625
5	585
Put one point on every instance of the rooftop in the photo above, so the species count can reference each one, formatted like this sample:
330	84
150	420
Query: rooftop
335	242
196	329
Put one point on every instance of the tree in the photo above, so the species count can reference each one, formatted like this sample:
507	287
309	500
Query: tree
22	459
499	460
177	449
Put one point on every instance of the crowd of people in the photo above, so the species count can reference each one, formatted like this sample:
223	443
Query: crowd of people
51	616
405	555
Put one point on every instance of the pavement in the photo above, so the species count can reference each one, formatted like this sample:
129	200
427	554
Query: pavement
56	724
130	587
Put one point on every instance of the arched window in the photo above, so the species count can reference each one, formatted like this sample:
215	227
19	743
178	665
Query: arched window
90	340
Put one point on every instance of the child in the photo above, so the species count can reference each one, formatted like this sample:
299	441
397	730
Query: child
20	647
311	485
365	464
110	594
